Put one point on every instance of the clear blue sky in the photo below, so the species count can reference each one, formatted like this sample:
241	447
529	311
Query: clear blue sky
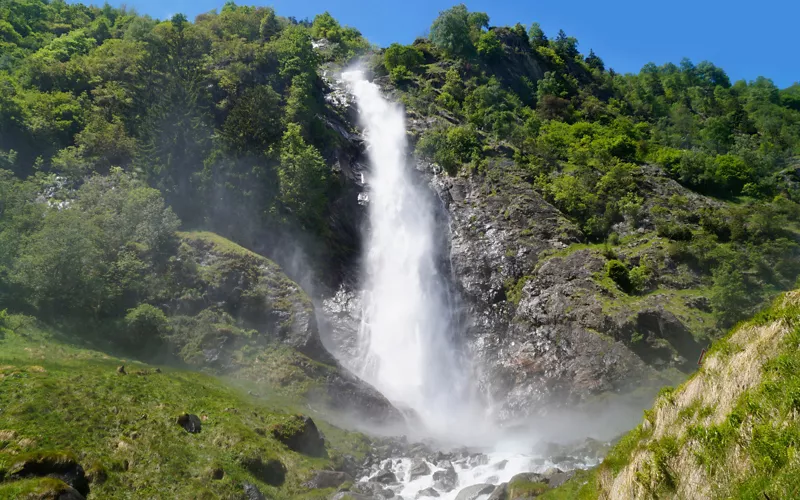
747	39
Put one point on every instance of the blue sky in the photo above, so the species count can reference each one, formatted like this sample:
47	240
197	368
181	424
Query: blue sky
747	39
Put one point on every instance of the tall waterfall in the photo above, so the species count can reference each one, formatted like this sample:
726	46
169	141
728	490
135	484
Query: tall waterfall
405	339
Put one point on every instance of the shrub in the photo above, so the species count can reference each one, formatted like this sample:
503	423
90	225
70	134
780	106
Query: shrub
617	271
402	55
146	324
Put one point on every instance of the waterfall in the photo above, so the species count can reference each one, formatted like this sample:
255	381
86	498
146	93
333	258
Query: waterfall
406	341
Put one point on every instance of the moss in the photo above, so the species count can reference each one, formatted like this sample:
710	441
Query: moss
40	488
514	289
582	486
521	489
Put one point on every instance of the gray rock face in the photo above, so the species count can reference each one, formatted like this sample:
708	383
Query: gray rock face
418	468
536	317
445	480
327	479
428	492
500	492
373	489
475	491
384	477
300	434
251	492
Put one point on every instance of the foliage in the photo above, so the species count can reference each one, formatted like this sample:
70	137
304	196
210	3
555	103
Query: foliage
618	272
302	175
450	148
457	30
146	324
402	55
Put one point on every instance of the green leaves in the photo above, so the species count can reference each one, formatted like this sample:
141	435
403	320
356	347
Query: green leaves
303	178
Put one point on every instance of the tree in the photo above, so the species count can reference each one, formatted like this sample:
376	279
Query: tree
594	61
269	26
254	123
146	327
489	46
566	46
402	55
303	178
451	32
537	36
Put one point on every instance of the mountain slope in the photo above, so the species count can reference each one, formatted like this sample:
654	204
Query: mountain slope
69	405
730	431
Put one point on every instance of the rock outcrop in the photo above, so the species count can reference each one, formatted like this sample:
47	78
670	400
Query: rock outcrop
236	313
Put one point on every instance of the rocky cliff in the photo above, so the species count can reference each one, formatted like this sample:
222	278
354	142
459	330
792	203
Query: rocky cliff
540	317
236	313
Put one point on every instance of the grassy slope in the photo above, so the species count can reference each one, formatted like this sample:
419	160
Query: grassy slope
730	431
57	397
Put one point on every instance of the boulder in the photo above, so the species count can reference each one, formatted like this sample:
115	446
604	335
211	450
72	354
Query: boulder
475	491
191	423
271	470
500	492
299	433
419	467
428	492
531	477
384	477
374	490
251	492
59	465
349	495
445	480
327	479
555	477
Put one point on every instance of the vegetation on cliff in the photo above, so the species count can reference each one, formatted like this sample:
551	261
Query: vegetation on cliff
730	431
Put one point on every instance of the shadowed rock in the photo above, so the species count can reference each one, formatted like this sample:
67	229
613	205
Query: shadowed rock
191	423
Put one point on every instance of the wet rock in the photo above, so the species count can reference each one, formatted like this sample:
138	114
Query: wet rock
428	492
445	480
500	465
500	492
557	478
191	423
444	464
384	477
327	479
251	492
271	470
375	490
63	466
418	468
349	495
477	459
475	491
300	434
530	477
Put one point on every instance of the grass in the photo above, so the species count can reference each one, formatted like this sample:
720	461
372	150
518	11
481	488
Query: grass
748	452
60	399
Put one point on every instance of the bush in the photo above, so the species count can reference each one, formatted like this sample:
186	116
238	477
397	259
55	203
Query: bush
402	55
145	325
400	74
617	271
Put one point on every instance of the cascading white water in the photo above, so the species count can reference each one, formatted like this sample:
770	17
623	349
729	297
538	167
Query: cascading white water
405	337
406	343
